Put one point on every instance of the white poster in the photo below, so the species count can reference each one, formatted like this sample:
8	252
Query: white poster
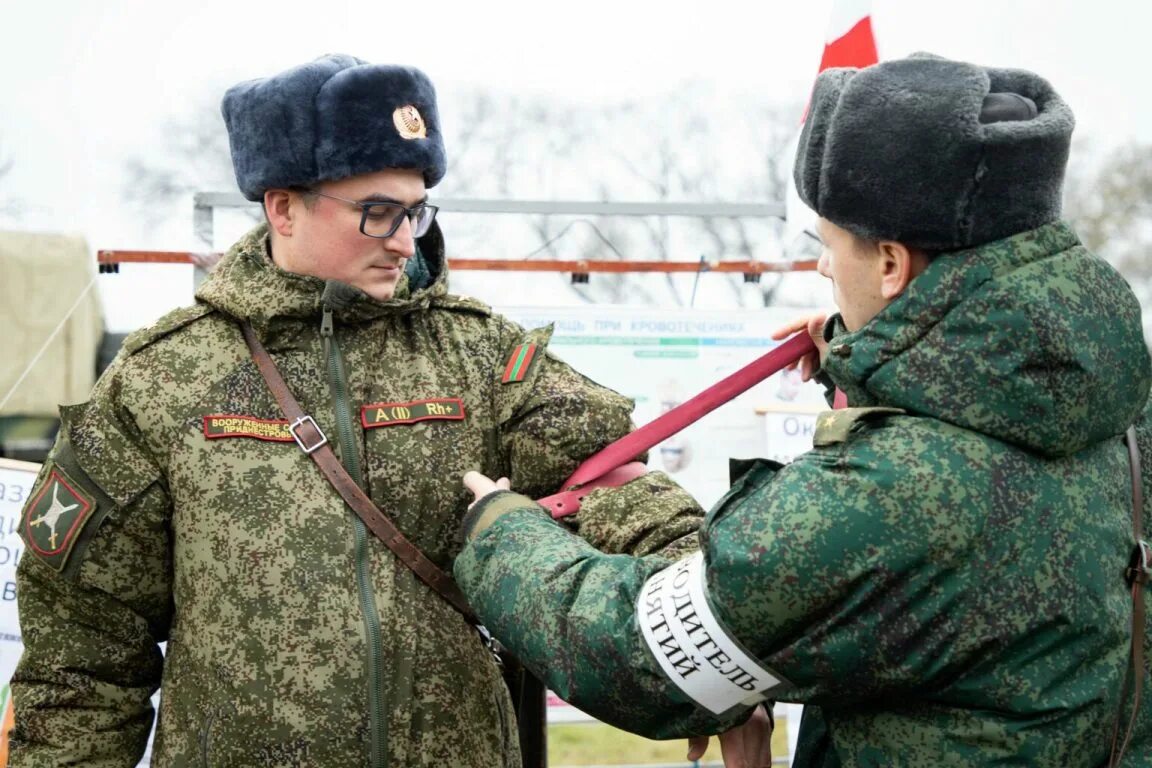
16	479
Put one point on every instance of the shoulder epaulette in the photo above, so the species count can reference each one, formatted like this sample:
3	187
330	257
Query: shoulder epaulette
833	427
462	304
170	323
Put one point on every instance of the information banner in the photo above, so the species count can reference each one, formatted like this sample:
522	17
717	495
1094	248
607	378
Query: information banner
16	479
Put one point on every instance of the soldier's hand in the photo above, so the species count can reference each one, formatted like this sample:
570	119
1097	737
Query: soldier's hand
814	325
745	746
481	486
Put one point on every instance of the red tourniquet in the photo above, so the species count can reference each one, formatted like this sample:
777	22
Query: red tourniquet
615	465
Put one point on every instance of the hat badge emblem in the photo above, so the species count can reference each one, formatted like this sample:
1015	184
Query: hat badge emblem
409	123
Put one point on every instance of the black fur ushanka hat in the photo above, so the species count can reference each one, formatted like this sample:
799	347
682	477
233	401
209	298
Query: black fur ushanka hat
934	153
331	118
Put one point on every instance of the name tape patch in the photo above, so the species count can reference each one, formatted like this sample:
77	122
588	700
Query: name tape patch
55	516
392	414
692	647
228	425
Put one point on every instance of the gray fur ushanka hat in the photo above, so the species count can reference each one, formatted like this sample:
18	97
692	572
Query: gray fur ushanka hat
331	118
916	151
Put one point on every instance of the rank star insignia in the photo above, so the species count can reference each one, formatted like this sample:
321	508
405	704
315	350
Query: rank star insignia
54	518
409	122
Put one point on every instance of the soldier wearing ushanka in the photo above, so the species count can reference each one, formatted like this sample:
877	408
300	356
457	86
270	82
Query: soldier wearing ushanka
941	579
178	506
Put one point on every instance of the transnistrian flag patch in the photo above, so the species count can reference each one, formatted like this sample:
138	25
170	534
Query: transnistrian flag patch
228	425
54	518
519	363
392	414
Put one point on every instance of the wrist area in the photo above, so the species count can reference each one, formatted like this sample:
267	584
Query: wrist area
491	508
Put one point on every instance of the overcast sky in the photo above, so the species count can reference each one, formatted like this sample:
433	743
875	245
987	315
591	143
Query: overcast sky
84	83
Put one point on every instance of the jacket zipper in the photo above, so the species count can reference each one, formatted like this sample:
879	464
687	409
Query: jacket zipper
338	383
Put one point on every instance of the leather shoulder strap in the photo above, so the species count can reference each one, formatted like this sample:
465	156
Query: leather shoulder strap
313	442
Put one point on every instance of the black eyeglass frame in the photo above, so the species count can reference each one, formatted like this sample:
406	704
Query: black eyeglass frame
403	212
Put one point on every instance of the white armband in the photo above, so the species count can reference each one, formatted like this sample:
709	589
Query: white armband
691	645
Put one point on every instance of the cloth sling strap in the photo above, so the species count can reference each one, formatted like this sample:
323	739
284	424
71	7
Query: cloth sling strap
616	465
1138	573
313	442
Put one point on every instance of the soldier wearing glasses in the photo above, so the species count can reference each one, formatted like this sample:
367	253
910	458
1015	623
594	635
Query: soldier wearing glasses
183	510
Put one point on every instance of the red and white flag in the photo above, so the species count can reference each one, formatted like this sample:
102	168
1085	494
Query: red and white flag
849	43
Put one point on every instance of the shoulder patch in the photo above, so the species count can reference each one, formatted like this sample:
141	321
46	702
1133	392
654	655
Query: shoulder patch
467	304
518	365
55	516
170	323
833	427
522	358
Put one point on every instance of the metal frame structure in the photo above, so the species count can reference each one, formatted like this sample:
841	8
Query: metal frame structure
206	203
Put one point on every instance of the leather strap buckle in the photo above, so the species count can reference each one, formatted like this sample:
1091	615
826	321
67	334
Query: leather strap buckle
305	421
490	643
1139	569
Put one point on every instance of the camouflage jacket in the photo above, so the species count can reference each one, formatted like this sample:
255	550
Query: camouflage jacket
940	579
176	507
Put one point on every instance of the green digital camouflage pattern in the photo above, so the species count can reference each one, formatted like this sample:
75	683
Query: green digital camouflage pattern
238	553
940	578
649	515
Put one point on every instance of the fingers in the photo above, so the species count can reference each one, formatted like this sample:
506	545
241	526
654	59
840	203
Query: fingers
748	745
480	485
814	324
697	746
792	327
807	367
758	743
816	327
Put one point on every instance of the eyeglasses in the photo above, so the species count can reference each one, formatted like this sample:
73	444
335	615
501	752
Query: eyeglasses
379	219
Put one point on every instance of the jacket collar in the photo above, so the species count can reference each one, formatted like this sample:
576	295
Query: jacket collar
1030	339
247	285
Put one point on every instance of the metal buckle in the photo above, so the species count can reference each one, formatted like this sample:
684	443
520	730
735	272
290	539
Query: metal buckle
490	643
308	449
1140	566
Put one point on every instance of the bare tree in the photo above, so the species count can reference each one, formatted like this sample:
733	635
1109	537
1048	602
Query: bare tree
698	150
1109	200
195	158
1112	208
